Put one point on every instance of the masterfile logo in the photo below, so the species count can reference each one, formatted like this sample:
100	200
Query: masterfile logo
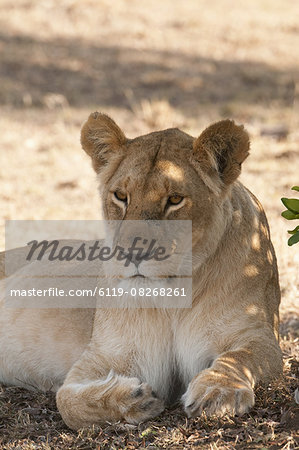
105	264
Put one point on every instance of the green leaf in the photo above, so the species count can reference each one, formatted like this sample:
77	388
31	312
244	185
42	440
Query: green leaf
295	188
148	432
291	204
289	215
294	239
294	230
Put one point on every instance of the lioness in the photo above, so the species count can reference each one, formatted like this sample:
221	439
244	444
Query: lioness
125	364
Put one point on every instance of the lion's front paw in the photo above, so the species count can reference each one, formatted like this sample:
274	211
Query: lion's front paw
116	398
141	404
214	395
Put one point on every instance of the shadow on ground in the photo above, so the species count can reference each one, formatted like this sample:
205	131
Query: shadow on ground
86	74
30	420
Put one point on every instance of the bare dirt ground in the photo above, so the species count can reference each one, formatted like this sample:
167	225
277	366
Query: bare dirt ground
150	65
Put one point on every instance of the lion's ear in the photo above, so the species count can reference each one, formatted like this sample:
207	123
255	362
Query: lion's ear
220	150
101	138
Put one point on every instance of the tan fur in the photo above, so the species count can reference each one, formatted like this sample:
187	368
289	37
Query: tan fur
106	364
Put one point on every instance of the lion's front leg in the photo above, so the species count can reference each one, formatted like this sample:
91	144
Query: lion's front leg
227	386
84	400
217	392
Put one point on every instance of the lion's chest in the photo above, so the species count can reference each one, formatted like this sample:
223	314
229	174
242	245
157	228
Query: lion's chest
155	348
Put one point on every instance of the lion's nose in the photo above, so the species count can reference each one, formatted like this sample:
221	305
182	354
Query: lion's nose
135	257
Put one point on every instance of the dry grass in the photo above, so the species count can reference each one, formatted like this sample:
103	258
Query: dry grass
32	421
151	65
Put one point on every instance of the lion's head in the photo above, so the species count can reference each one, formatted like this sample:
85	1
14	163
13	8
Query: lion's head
168	175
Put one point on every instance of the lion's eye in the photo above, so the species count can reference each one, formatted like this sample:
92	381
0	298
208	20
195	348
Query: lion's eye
120	196
175	199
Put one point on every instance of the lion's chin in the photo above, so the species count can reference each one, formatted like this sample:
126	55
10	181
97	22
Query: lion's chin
143	281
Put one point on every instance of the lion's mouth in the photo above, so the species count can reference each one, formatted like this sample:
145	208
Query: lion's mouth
138	275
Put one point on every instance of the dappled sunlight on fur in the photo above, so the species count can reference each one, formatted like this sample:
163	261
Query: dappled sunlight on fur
215	351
